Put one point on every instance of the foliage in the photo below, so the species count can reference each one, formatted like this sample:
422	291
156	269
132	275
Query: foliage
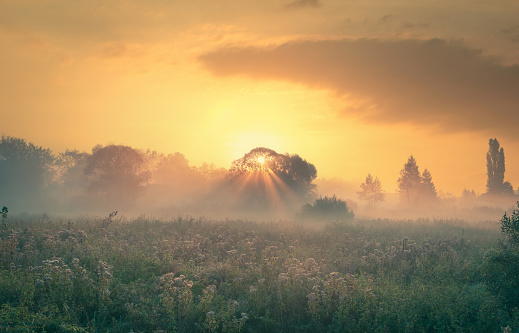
116	173
409	181
502	266
496	170
190	275
328	209
68	168
510	226
25	170
371	191
415	188
428	188
266	178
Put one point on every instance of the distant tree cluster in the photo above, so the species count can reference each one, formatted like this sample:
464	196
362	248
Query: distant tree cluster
415	187
111	176
116	176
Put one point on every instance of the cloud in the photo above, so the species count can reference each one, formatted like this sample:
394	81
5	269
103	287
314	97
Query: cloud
512	33
303	3
423	82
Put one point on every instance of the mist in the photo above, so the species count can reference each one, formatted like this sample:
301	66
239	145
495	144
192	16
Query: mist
262	185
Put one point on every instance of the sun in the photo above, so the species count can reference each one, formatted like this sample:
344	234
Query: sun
261	159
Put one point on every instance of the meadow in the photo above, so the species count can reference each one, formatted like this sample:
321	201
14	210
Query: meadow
195	275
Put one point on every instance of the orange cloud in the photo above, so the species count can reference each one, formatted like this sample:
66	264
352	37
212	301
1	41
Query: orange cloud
423	82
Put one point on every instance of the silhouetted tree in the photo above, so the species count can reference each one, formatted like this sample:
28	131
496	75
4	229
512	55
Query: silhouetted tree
327	209
266	178
428	190
173	181
371	191
410	182
496	170
416	188
469	194
69	168
117	173
25	170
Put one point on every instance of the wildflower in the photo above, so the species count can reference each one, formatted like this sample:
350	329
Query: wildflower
283	277
210	289
38	283
311	296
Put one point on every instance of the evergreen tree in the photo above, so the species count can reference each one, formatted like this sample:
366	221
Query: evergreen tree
428	188
409	182
371	191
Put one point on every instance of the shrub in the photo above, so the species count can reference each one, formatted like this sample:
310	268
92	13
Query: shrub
327	209
510	226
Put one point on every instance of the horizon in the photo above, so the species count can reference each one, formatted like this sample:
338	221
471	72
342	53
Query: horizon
353	89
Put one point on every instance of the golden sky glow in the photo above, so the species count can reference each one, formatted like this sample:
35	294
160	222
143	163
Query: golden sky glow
353	87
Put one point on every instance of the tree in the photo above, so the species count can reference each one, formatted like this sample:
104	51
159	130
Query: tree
416	188
501	271
410	182
265	178
25	170
371	191
327	209
69	166
428	190
116	173
496	170
510	226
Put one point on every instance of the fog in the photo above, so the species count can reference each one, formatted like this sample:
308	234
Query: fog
262	185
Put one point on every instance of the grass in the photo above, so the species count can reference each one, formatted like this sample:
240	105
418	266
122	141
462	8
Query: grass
196	275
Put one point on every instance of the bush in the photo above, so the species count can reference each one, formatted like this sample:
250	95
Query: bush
510	226
330	209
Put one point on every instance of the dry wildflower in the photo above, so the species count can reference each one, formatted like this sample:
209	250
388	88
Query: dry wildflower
283	277
39	283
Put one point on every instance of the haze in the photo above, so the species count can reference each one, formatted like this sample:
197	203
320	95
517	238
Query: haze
352	87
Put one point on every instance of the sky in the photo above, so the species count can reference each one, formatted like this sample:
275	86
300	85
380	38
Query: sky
354	87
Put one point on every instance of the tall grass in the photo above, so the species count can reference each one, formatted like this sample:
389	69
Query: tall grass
196	275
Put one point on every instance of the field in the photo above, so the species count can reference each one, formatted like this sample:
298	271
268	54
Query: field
196	275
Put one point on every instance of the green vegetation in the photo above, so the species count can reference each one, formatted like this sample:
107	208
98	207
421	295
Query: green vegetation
193	275
327	209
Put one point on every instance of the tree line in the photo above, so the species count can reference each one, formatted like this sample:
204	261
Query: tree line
418	189
118	175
